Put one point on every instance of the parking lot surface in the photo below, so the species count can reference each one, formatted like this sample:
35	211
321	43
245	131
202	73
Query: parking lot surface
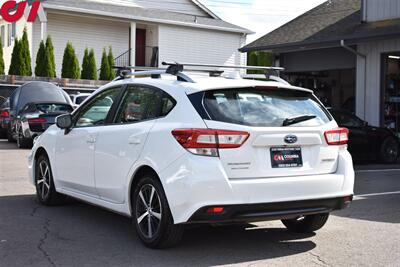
77	234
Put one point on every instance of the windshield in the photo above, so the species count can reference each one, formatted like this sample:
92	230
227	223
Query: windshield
54	108
268	107
80	99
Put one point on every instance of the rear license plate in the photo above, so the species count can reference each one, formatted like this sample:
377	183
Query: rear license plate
286	157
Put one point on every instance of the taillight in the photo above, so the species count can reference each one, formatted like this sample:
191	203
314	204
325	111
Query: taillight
4	114
37	120
339	136
206	142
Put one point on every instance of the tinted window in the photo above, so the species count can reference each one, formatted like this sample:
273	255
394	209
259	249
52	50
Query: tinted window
80	99
96	111
53	108
139	103
264	107
347	119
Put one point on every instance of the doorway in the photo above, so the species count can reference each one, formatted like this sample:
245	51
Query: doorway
140	47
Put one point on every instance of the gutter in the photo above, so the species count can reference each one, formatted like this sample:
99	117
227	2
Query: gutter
363	56
141	18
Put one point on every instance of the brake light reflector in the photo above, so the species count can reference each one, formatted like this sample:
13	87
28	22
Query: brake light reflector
215	210
4	114
37	120
339	136
206	142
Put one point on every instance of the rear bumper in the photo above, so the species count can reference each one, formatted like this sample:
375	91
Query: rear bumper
269	211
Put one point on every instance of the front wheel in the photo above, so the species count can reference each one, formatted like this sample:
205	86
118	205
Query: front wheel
306	224
45	190
152	217
389	151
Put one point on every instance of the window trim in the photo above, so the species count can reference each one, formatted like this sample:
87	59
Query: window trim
110	115
146	120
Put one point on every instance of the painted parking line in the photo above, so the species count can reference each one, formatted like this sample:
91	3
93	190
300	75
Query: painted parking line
381	170
360	197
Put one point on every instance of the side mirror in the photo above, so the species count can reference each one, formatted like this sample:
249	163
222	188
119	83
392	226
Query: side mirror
64	121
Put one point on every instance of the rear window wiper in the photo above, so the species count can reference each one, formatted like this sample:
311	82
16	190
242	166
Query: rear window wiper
290	121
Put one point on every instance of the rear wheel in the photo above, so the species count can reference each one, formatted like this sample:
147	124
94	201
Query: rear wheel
389	151
45	190
306	224
151	215
9	137
23	142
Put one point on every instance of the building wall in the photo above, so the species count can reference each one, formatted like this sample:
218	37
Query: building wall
376	10
83	32
8	48
369	83
183	44
181	6
318	60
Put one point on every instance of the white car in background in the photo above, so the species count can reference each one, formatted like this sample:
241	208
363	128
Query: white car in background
79	98
171	151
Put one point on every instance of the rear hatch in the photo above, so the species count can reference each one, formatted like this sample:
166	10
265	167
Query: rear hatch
45	115
286	127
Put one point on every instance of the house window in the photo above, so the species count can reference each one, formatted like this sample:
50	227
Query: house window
3	35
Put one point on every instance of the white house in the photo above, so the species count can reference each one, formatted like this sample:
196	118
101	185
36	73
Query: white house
142	33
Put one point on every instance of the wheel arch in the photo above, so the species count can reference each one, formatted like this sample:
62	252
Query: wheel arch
140	172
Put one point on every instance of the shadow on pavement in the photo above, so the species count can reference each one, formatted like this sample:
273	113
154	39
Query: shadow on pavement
81	235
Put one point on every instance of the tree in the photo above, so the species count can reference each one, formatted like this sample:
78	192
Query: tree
26	54
70	66
50	66
105	70
17	66
1	58
41	61
85	65
111	61
252	61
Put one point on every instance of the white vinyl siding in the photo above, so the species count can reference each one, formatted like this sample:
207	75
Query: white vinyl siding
83	32
183	44
382	9
369	98
181	6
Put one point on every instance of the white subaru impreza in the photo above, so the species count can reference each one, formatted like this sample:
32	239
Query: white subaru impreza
175	149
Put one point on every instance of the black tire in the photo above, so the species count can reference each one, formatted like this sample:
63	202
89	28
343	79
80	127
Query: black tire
23	142
306	224
164	233
389	151
45	190
9	137
3	134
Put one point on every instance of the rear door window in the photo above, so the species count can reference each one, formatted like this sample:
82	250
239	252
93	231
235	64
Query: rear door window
263	107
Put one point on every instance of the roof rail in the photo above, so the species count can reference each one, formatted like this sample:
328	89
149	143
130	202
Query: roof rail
222	66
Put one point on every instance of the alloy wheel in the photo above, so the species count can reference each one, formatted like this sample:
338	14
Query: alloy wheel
148	211
43	180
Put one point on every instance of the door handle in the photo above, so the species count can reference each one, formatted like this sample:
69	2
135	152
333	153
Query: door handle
91	140
134	140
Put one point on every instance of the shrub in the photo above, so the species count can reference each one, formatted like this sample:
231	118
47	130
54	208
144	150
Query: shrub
1	58
85	65
92	67
111	61
26	54
17	66
41	61
105	70
70	66
50	65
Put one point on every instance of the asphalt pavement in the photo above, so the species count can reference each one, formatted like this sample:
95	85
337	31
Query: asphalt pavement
77	234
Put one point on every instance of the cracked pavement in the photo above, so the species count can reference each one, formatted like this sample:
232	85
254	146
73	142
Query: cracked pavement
77	234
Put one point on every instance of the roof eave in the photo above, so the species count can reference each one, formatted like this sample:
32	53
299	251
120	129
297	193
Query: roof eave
131	17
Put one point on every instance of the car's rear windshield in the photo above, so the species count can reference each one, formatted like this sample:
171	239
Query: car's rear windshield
54	108
265	107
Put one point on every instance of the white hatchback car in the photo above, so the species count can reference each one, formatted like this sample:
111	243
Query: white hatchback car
169	152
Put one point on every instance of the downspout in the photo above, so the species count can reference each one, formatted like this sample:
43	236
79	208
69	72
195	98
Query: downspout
355	52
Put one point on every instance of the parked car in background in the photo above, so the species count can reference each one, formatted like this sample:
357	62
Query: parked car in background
35	118
4	118
78	99
368	142
32	92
